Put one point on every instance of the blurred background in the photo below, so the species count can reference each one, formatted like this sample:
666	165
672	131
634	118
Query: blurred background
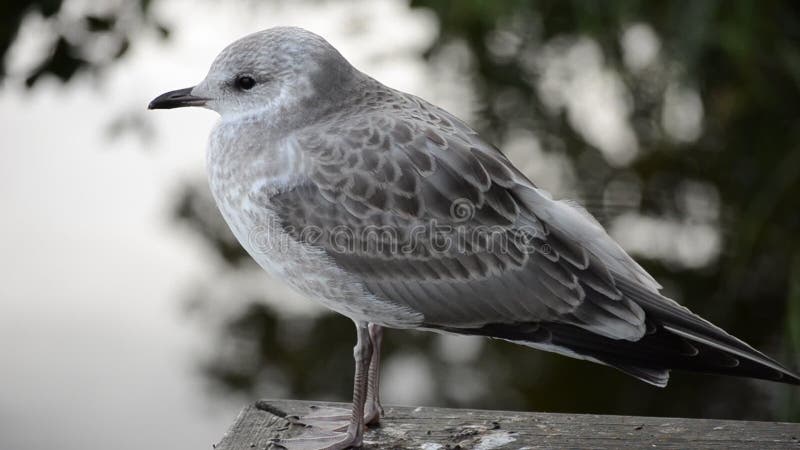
130	317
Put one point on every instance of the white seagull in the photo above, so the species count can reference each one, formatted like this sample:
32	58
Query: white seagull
395	213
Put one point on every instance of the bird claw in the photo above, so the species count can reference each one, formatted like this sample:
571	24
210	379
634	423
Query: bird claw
318	440
373	411
336	419
324	418
324	428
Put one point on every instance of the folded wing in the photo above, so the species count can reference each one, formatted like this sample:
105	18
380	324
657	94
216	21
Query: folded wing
415	205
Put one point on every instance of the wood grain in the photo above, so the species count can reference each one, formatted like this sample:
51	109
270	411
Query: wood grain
429	428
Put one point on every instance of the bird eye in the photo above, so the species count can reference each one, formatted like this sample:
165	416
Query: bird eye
245	82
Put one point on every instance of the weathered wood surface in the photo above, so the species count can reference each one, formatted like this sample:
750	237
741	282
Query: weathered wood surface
428	428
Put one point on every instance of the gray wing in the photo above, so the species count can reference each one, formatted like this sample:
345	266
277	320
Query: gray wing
415	205
428	216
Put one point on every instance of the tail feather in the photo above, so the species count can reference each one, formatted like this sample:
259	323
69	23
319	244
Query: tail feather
656	377
675	339
720	352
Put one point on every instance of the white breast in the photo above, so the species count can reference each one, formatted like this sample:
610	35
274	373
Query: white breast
243	174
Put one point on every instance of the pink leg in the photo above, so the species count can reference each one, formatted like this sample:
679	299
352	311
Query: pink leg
373	409
354	434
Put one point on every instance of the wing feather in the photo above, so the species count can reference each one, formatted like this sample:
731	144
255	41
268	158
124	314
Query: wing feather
412	203
450	212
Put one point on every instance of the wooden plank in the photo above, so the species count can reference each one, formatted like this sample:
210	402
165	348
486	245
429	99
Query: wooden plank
428	428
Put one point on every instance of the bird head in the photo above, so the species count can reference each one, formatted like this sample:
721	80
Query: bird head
282	71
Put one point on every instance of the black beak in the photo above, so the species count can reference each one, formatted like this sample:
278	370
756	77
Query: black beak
177	99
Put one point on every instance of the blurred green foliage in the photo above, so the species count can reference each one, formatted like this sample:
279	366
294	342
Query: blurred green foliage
11	16
743	60
70	36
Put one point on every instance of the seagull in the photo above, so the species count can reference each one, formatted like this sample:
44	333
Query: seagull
393	212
